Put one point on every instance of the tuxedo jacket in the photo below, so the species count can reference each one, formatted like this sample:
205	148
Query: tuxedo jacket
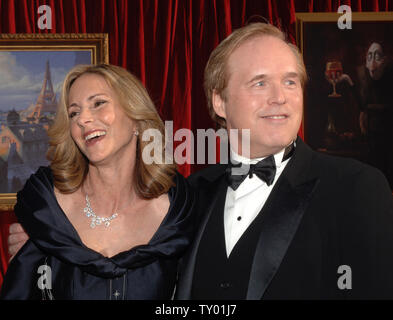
326	218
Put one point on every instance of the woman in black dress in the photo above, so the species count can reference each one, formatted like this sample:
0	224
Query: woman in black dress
103	222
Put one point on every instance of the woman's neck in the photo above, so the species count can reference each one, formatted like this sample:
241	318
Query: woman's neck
113	182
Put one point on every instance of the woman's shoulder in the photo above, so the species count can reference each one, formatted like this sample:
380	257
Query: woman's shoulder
42	175
180	184
182	202
43	171
39	183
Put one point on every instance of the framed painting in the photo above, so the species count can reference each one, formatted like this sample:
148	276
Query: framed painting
348	107
32	69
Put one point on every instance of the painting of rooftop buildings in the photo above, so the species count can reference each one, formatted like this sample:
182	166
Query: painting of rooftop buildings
30	85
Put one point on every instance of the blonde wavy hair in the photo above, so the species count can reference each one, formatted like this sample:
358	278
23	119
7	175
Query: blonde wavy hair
70	166
216	73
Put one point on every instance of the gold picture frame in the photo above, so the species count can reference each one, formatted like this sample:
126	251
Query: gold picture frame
93	48
347	122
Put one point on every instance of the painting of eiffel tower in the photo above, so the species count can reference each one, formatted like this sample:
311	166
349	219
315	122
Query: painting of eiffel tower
46	102
28	103
32	70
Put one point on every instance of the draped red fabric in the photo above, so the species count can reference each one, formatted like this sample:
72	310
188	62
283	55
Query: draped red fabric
6	218
165	43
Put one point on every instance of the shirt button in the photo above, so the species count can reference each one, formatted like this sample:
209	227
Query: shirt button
116	294
239	218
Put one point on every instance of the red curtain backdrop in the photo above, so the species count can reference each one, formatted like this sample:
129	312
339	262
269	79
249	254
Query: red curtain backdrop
6	218
166	43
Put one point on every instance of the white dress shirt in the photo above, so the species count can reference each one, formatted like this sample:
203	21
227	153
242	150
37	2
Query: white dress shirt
243	204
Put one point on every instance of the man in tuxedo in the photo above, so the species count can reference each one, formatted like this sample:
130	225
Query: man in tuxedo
300	225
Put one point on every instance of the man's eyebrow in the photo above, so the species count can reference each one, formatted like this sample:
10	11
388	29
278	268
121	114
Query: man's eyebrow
258	77
89	99
291	74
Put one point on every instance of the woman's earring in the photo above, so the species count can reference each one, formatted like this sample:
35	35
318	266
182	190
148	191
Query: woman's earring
136	133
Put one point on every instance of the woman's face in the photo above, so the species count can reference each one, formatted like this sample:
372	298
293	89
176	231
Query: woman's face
98	124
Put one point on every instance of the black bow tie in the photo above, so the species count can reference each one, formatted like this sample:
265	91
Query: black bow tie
264	169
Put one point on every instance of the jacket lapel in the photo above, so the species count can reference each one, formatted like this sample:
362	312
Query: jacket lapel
283	212
210	200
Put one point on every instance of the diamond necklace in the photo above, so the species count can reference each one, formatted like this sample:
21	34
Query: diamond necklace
97	220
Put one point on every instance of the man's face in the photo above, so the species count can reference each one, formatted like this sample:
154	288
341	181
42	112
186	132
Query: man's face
264	94
375	61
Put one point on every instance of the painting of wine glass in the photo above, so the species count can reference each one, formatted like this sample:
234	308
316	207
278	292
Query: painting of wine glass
348	104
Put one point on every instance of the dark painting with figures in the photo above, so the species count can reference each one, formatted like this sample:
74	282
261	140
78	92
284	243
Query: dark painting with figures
349	98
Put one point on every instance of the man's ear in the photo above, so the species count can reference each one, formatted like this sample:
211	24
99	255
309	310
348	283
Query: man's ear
218	104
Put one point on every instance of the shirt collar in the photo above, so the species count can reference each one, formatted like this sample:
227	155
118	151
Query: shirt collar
277	157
